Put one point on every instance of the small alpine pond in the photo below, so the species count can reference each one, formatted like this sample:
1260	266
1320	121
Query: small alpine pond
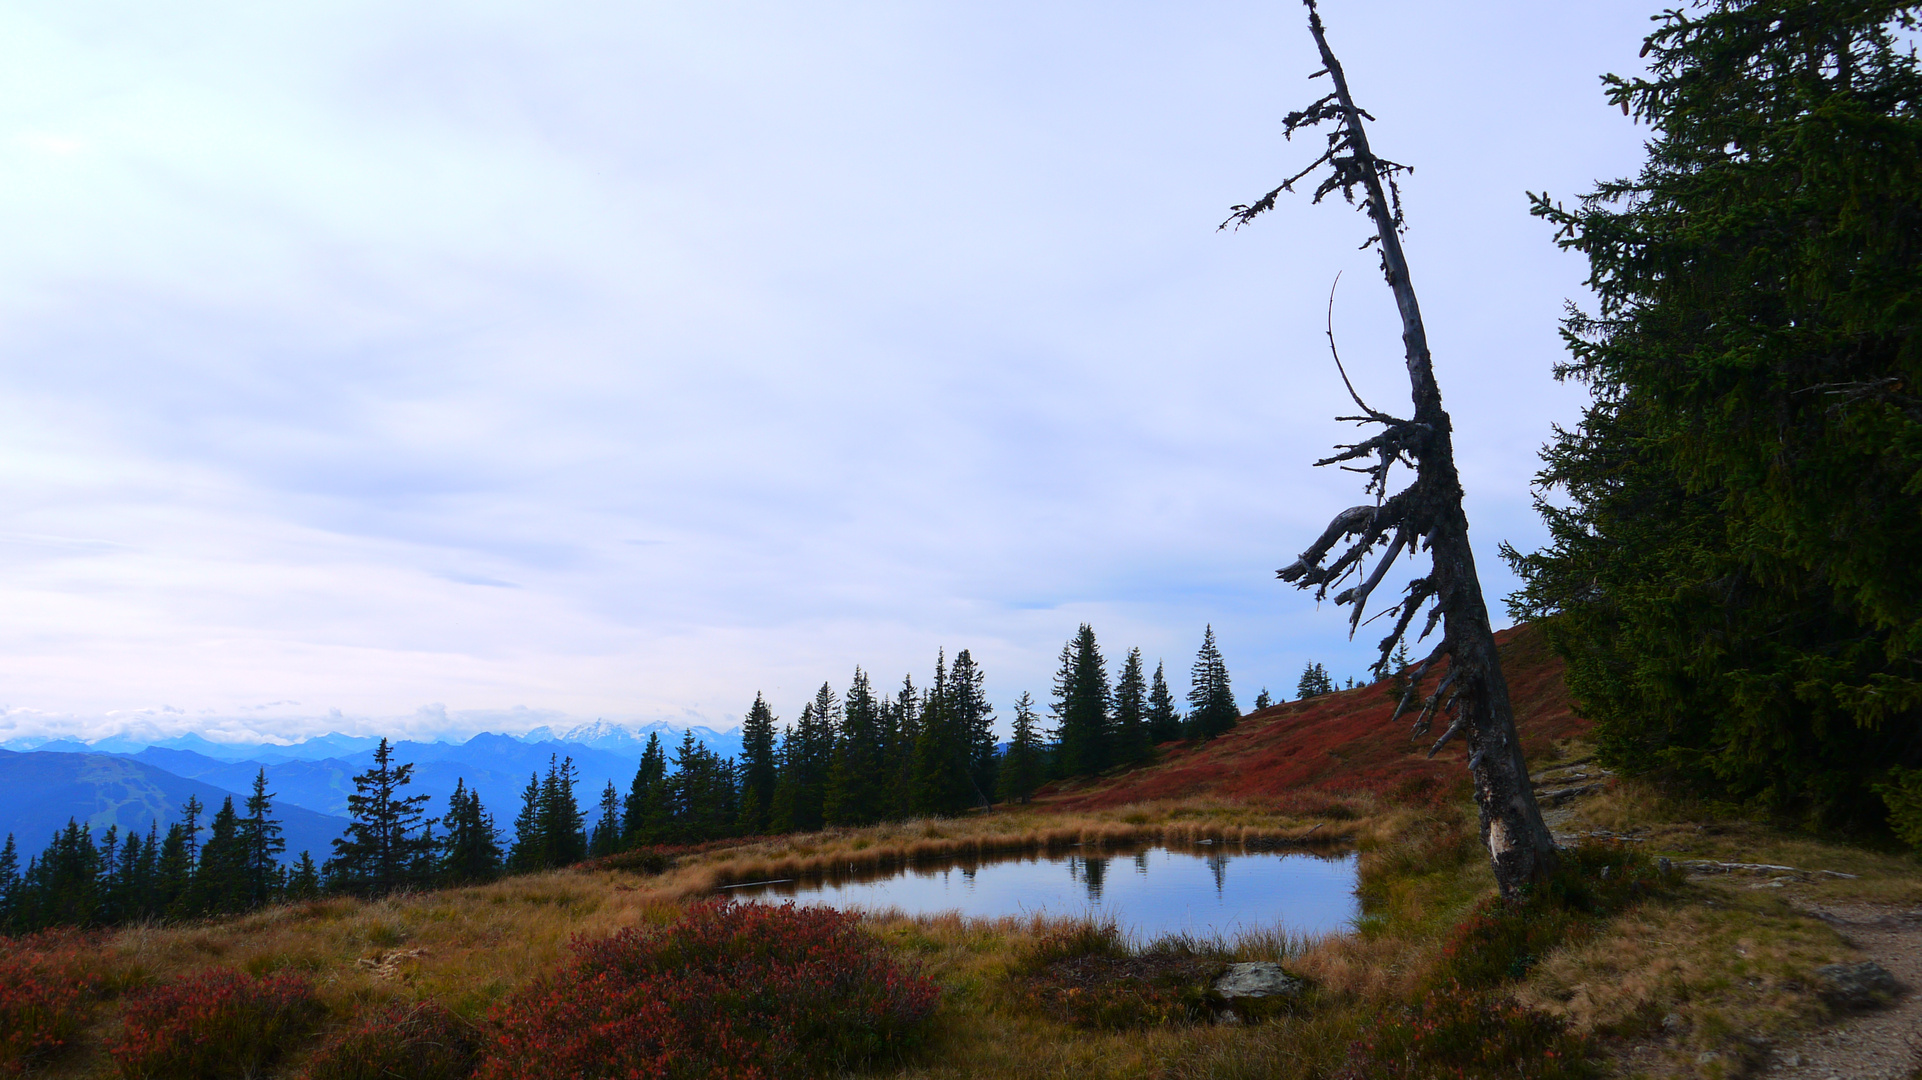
1205	891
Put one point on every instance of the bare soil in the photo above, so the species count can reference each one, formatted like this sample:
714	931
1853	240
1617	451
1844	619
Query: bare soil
1884	1044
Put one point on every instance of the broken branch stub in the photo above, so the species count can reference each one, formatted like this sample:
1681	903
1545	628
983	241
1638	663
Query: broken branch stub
1425	515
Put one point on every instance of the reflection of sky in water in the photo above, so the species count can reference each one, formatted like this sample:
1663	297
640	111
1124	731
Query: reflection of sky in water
1149	892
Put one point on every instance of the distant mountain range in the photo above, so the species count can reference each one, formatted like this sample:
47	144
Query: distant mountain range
132	783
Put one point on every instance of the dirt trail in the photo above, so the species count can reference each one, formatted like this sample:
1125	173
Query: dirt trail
1885	1044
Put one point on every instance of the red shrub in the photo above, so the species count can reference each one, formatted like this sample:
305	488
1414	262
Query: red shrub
732	990
419	1040
1467	1034
48	982
216	1023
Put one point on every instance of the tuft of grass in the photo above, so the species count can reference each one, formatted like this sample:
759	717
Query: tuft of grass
419	1040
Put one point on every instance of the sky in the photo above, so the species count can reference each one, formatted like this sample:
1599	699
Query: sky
419	368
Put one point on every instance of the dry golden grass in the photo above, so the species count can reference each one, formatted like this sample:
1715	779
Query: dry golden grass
1726	958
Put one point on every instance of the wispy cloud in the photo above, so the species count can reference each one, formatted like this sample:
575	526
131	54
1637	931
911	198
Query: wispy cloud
624	361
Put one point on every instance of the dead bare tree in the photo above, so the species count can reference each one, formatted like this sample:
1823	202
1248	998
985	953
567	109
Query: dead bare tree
1472	695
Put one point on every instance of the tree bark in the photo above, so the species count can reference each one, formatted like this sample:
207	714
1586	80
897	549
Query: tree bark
1520	847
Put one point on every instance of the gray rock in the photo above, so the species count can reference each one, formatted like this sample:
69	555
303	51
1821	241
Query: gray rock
1257	979
1857	986
1674	1023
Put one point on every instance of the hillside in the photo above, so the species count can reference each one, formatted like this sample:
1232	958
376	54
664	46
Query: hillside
1337	743
40	791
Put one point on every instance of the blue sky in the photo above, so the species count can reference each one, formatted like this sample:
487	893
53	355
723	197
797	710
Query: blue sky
423	367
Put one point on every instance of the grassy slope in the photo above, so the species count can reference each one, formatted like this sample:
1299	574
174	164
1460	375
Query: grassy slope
1727	958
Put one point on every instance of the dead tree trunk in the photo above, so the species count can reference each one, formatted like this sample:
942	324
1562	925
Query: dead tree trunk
1472	695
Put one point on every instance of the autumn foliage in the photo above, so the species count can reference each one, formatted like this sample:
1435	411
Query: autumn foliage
47	984
217	1022
730	990
1306	754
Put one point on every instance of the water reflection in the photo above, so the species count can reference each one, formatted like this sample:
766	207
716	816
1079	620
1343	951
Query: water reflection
1171	889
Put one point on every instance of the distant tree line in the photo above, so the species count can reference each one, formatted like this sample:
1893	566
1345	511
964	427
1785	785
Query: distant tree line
850	759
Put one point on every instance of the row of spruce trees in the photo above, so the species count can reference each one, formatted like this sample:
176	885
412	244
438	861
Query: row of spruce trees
853	758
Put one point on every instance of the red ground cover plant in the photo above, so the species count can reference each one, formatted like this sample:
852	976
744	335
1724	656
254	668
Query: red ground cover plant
1454	1032
48	984
1339	743
731	990
419	1040
215	1023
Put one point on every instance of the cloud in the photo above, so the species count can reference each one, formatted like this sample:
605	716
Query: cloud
624	361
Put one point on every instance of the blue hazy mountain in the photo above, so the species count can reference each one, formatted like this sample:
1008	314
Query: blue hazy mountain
495	766
42	790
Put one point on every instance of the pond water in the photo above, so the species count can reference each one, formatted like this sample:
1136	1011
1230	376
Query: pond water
1206	891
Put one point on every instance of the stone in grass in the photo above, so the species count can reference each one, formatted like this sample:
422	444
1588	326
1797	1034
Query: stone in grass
1866	985
1255	989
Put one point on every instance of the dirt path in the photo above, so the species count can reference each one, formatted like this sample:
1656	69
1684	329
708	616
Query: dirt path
1885	1044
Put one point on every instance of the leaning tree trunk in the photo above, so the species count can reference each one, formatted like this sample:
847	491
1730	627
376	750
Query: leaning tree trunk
1428	512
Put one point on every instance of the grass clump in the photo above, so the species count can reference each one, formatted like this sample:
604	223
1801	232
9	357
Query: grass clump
729	990
419	1040
1085	974
217	1023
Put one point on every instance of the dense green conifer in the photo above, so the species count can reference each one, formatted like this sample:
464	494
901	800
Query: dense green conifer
1731	571
759	769
858	788
1083	727
1133	742
471	851
1164	723
1211	701
1022	767
385	843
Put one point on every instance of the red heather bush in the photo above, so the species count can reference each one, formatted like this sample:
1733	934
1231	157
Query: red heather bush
730	991
48	981
419	1040
216	1023
1470	1035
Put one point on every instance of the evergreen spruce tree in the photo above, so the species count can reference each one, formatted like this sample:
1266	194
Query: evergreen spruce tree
383	846
904	725
9	884
528	852
220	880
261	845
807	758
758	767
974	723
173	872
1133	742
1164	723
1083	728
645	814
1211	703
1314	682
858	788
471	850
190	829
606	838
1731	574
940	786
1262	700
1022	767
563	825
304	882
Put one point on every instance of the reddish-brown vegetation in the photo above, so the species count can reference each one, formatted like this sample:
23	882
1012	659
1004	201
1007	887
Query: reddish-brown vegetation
48	981
1303	752
730	990
219	1022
